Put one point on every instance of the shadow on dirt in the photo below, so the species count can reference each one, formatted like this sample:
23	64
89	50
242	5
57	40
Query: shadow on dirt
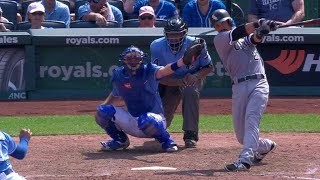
209	172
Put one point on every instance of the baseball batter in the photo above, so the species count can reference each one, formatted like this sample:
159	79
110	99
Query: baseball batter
8	147
185	83
250	89
137	84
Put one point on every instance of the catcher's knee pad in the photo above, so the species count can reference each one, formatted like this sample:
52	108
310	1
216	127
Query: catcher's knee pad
105	114
104	117
152	127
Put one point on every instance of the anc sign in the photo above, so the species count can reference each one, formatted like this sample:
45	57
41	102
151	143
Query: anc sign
292	65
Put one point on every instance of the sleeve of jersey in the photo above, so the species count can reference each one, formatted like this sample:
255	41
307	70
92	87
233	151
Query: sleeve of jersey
205	58
138	4
253	9
21	150
11	143
219	5
187	13
173	10
154	49
83	10
117	15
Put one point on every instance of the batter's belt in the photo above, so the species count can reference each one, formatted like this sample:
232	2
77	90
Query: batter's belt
247	78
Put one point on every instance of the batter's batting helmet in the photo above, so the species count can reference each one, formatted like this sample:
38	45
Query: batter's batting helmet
221	15
132	57
175	31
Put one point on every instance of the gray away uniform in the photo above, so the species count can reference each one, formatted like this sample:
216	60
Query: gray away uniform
250	91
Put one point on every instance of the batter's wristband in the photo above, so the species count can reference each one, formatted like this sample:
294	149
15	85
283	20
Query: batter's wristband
174	66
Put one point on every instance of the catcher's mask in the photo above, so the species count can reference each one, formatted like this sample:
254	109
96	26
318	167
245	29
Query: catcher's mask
132	58
175	31
221	15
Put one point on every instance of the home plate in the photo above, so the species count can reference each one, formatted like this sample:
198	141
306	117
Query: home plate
153	168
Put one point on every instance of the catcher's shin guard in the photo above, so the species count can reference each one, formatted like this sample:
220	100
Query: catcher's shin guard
104	117
153	127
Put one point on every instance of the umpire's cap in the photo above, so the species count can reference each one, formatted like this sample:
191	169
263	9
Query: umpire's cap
220	15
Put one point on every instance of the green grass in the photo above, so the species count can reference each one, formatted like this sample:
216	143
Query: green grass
85	124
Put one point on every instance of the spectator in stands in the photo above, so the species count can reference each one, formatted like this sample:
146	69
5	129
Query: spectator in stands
3	28
163	8
100	11
197	13
55	10
36	15
284	11
2	19
146	17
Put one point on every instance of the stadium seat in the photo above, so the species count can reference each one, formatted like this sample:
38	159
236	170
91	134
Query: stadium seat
47	23
10	10
91	24
135	23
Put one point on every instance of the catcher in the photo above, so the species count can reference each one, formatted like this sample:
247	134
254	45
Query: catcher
186	82
8	147
136	83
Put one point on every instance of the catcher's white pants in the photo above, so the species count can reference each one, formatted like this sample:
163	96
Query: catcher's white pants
128	124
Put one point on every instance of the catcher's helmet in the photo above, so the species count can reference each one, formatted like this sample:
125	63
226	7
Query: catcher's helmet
221	15
132	58
175	31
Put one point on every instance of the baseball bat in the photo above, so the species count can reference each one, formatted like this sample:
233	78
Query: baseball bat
303	23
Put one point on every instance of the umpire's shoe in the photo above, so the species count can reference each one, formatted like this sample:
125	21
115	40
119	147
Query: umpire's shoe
114	145
237	166
259	156
190	139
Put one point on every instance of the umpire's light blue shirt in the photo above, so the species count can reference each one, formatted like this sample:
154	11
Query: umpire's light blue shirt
60	12
193	16
165	9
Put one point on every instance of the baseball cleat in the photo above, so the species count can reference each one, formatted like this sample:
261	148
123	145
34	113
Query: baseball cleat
190	139
114	145
237	166
190	143
259	156
170	146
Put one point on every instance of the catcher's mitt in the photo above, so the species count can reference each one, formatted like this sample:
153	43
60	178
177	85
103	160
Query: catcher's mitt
193	51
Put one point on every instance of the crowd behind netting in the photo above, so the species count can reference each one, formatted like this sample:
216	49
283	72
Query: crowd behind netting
21	15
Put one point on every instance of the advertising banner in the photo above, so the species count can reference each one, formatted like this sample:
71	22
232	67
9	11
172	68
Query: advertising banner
292	65
12	77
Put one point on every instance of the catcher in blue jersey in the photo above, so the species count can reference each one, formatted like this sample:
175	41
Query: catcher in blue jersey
8	147
136	83
186	82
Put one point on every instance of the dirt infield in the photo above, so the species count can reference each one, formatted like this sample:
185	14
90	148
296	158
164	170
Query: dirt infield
77	157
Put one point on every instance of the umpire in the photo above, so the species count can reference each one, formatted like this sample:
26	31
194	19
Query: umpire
186	82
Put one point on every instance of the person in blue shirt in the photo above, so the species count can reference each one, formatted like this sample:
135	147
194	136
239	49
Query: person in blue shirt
284	11
163	9
57	11
8	147
186	83
100	11
136	83
197	13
